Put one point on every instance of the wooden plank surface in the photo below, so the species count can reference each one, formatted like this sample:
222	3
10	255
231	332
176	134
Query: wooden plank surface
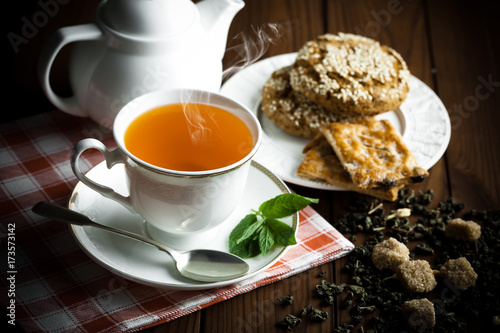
422	32
466	53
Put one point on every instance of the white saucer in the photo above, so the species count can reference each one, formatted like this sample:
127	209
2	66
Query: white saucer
145	264
422	119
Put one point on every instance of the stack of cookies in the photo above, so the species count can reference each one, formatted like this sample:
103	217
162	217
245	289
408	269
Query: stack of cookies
331	93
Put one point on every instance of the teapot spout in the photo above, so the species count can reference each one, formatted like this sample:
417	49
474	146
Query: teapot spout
216	17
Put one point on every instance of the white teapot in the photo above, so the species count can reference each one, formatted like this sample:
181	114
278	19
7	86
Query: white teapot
138	46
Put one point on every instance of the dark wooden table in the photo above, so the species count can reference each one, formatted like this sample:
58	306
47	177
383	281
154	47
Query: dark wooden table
452	46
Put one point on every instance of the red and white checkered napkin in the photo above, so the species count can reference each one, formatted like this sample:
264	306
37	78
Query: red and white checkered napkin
50	285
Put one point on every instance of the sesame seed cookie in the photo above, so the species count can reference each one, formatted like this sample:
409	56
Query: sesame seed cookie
291	111
350	75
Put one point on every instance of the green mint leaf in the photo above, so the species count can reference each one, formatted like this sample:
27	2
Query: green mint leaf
241	227
253	248
249	248
245	249
266	240
283	233
260	231
285	205
251	230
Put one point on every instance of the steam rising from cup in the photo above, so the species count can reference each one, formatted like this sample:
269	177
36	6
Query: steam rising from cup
248	50
251	48
197	124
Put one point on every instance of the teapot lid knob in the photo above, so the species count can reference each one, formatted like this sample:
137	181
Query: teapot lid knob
151	18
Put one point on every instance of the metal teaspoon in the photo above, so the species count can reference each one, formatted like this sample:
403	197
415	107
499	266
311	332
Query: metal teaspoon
200	265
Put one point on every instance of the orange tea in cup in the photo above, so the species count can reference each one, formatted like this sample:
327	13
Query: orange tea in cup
188	137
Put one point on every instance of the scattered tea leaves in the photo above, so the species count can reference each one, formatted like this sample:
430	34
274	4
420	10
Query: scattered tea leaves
374	300
288	322
291	320
369	288
318	315
287	300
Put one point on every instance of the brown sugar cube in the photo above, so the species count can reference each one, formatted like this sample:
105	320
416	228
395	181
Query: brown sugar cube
459	272
390	254
416	276
463	230
419	313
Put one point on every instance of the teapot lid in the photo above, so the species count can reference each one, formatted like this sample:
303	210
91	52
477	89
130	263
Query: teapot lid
148	18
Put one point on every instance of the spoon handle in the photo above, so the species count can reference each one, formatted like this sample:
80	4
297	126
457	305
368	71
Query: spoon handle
69	216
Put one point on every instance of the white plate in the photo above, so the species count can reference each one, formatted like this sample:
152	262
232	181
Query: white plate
422	119
145	264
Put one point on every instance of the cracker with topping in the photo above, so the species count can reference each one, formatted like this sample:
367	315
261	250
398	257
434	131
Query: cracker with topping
321	164
373	153
350	74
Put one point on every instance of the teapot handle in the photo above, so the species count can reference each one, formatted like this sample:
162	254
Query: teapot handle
62	37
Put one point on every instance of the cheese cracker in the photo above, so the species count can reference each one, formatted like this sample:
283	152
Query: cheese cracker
321	164
373	153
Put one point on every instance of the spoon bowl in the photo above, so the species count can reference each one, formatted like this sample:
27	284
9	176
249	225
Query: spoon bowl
202	265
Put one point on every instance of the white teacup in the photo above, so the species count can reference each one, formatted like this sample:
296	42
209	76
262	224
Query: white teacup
180	207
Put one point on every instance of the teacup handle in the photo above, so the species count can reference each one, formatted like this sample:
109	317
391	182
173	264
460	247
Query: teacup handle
112	157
